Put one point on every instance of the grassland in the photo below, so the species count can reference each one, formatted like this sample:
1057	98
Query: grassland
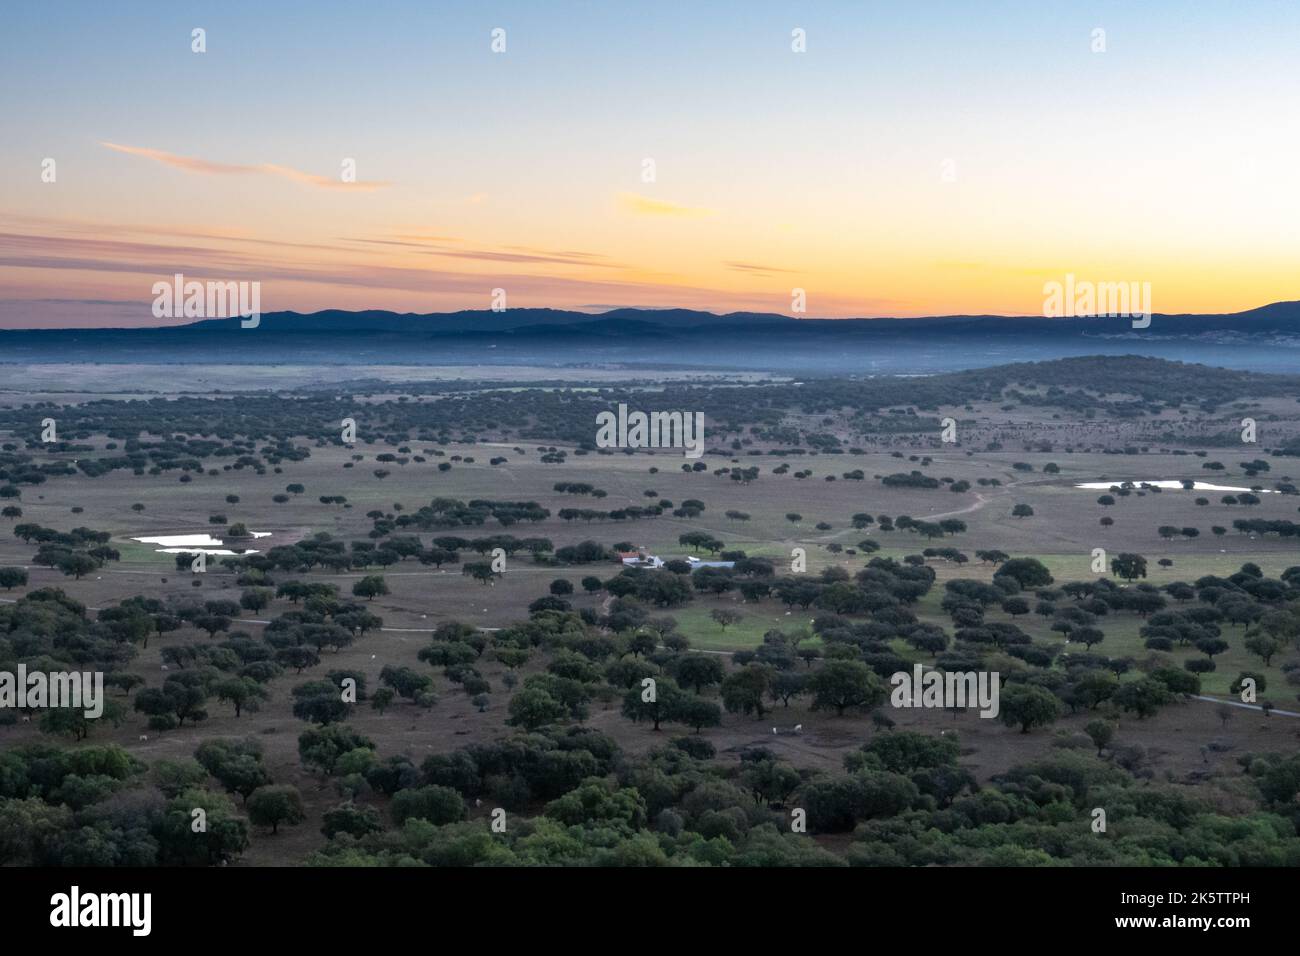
1063	533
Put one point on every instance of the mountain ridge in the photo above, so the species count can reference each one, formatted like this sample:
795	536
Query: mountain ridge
1286	314
1276	316
1264	338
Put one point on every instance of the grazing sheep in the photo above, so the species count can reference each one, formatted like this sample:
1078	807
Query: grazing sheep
164	667
144	737
27	720
798	728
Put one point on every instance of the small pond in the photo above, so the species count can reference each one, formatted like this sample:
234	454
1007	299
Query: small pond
194	543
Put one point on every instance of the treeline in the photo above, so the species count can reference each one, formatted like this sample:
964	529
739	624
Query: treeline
193	434
75	553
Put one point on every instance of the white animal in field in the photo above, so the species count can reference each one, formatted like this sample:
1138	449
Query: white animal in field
27	720
144	737
773	730
798	728
164	667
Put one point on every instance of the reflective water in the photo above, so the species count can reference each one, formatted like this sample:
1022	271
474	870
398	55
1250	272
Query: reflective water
194	543
1172	485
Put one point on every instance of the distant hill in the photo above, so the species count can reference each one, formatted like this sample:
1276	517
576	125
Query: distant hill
1277	318
1266	338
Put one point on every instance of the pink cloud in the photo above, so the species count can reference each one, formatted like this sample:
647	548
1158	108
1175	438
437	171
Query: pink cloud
193	164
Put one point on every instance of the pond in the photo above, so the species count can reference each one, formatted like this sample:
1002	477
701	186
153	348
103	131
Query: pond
194	543
1165	483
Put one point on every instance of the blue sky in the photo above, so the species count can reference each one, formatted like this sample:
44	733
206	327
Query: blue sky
1167	158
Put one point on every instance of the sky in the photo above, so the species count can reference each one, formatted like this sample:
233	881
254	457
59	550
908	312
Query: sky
920	158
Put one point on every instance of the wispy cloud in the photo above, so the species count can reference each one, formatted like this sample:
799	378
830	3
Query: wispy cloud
194	164
567	253
755	269
521	254
416	237
115	302
110	257
384	242
77	229
484	255
645	206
